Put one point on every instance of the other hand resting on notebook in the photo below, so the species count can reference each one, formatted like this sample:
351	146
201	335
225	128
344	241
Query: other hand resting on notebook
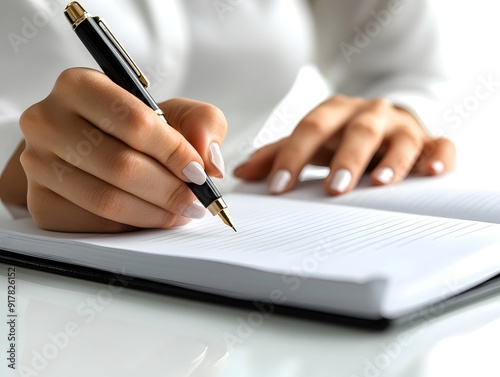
348	135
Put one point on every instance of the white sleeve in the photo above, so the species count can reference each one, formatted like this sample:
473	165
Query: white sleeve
382	48
37	44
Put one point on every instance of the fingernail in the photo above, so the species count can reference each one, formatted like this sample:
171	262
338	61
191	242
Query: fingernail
438	167
280	181
341	180
195	210
195	173
385	175
216	158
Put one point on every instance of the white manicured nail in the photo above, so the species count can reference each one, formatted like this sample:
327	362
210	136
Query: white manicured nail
195	173
438	167
195	210
385	175
280	181
341	180
216	158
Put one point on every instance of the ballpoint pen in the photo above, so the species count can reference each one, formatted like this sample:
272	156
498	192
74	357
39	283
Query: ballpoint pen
121	69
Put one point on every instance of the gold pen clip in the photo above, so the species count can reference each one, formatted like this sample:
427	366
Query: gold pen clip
142	78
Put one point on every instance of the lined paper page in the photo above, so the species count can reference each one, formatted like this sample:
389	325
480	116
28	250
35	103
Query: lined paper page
324	245
418	196
281	234
467	204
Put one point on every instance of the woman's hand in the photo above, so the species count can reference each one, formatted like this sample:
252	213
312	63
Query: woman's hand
98	160
348	135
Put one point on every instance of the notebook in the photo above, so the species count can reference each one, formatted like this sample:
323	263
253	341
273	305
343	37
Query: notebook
301	251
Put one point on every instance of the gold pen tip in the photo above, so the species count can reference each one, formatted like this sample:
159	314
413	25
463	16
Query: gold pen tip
217	207
226	219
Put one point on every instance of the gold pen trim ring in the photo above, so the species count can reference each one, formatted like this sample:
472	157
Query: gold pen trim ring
75	14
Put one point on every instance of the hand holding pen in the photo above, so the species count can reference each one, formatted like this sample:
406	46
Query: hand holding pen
91	168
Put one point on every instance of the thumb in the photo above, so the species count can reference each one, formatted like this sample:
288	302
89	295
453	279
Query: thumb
258	166
203	125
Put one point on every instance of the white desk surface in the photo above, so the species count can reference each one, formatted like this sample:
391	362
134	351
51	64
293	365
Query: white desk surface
68	327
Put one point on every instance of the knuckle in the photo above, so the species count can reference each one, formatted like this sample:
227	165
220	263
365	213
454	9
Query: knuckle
28	159
174	153
140	123
169	220
124	165
379	104
138	117
26	119
211	113
67	76
105	201
340	99
315	125
30	119
210	110
178	199
77	77
369	125
69	79
412	137
415	139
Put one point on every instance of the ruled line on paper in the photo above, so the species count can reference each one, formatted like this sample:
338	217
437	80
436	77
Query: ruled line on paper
466	204
475	230
294	229
459	227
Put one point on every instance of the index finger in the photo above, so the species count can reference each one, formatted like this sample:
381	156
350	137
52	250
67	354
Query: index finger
113	110
298	149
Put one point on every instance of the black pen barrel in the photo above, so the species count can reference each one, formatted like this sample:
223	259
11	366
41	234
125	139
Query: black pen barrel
206	193
111	61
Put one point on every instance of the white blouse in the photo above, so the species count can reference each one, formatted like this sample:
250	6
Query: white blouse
242	56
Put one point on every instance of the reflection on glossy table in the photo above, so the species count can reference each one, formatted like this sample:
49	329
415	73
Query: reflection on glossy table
67	326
